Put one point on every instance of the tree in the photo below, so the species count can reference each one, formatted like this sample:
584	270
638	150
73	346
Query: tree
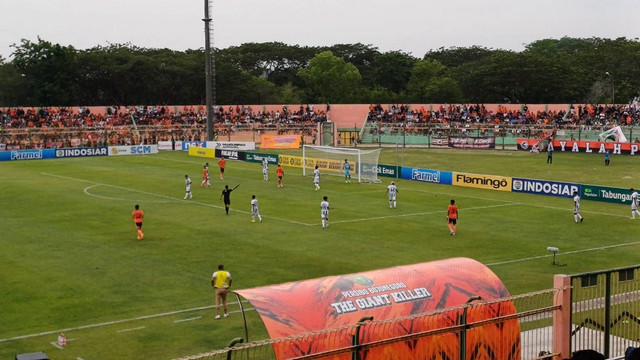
330	79
430	84
392	70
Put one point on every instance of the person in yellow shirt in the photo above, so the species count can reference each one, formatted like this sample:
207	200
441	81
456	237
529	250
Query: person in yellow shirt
221	282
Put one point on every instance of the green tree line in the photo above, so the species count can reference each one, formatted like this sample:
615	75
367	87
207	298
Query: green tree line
566	70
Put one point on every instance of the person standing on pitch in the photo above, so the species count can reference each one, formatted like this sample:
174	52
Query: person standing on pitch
550	152
205	176
137	216
392	190
316	178
265	168
452	217
226	194
347	171
222	163
280	174
576	207
255	212
324	212
187	184
221	282
634	203
606	158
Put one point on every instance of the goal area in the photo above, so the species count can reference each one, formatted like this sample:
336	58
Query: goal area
330	161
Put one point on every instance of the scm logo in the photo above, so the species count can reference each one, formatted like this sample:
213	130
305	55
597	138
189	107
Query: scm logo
141	150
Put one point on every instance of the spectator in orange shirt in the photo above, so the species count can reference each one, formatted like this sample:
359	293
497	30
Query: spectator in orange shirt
453	217
222	163
137	216
280	173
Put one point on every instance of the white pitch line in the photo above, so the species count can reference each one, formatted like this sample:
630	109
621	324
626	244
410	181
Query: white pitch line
189	319
145	317
86	191
421	213
131	329
171	198
55	344
564	253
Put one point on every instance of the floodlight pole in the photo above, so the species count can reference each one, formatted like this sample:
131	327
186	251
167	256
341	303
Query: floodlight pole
209	70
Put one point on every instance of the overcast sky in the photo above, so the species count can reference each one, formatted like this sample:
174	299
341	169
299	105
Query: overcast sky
413	26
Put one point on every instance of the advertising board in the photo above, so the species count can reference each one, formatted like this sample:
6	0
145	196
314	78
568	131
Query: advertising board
544	187
479	181
426	175
133	150
81	152
229	145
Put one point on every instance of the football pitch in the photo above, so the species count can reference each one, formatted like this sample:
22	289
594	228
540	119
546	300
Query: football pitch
70	260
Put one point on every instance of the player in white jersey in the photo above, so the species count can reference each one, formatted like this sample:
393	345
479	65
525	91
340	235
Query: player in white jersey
576	207
255	212
634	203
265	168
187	183
316	178
324	212
392	190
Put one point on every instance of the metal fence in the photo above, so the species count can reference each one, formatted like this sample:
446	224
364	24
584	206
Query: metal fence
605	310
476	330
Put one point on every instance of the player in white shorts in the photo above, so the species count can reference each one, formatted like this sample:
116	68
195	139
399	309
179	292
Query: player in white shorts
324	212
576	207
392	190
316	178
254	209
187	183
265	168
634	203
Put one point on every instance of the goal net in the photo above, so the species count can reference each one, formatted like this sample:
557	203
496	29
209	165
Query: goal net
330	161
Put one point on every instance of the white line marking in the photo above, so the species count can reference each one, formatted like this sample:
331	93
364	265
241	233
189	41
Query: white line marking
79	358
86	191
172	198
131	329
55	344
420	213
563	253
145	317
189	319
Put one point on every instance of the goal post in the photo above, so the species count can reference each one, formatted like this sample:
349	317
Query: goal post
330	161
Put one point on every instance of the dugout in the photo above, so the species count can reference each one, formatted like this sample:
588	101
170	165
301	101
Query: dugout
405	314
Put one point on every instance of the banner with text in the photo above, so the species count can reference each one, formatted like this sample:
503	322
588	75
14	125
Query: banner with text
11	155
81	152
382	170
257	157
310	163
606	194
336	301
472	142
133	150
583	146
280	141
230	145
169	145
427	175
187	144
489	182
544	187
230	154
202	152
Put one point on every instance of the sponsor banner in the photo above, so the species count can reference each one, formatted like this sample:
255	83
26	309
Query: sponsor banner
382	170
606	194
583	146
13	147
440	141
81	152
479	181
280	141
310	163
257	157
202	152
187	144
427	175
27	154
168	145
230	154
472	142
228	145
334	302
3	147
133	150
543	187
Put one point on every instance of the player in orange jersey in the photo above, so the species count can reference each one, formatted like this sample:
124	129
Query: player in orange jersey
222	163
280	173
453	217
137	216
205	176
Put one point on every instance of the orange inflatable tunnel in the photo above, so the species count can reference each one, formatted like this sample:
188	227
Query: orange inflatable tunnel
395	298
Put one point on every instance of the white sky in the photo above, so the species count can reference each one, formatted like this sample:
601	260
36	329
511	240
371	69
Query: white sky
413	26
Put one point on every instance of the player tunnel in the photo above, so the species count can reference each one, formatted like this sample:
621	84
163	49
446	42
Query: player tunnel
434	310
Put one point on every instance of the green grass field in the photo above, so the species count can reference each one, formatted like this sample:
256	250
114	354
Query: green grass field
70	259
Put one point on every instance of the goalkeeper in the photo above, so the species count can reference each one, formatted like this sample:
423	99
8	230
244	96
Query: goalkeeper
347	171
